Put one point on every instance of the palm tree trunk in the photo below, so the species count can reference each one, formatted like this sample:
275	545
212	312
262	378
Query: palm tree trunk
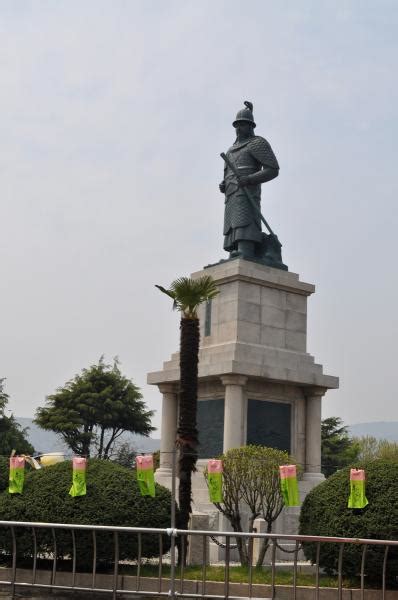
187	433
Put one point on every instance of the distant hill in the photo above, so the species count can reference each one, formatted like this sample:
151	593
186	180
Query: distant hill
387	430
47	441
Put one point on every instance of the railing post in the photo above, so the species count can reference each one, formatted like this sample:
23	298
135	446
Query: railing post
116	568
365	547
318	555
94	559
227	557
54	569
34	555
273	557
340	572
73	558
296	549
384	571
14	562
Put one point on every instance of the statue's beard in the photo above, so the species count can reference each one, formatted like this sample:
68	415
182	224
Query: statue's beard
242	137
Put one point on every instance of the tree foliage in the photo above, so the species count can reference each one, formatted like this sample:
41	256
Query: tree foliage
4	470
91	411
188	294
325	513
251	489
371	448
124	454
113	498
12	436
338	448
3	397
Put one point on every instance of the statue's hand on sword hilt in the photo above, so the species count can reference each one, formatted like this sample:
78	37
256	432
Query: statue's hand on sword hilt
243	180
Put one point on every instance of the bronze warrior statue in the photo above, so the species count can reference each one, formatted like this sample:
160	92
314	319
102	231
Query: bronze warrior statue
249	162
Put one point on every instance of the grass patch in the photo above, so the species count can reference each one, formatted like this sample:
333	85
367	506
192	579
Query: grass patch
238	574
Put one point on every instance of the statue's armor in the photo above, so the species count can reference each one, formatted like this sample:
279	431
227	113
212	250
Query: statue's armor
240	220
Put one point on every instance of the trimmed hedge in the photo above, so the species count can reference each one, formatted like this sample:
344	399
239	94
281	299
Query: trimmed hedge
325	513
4	470
113	498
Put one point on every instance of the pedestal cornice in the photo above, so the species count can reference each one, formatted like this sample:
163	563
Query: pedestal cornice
252	360
167	387
240	380
317	392
252	272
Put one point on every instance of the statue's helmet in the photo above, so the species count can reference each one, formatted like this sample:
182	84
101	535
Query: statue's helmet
245	114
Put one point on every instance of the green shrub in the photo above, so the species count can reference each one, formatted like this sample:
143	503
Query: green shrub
325	513
113	498
4	462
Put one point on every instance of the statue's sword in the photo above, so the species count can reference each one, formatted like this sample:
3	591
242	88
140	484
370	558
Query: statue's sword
247	192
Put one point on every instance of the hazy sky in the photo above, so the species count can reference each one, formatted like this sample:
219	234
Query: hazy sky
113	114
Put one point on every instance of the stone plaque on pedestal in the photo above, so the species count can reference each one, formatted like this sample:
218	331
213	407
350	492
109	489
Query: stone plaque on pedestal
210	420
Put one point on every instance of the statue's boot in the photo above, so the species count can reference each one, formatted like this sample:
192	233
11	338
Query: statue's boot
246	249
273	250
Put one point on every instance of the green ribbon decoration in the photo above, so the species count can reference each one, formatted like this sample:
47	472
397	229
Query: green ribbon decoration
214	481
290	491
16	480
146	482
79	487
357	498
289	485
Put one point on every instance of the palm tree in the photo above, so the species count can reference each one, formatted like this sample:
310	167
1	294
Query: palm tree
187	295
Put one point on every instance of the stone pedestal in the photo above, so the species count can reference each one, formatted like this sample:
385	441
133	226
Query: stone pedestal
257	382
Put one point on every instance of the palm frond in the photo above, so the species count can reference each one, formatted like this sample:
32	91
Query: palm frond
188	293
167	292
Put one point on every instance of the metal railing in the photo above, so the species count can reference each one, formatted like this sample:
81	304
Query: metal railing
171	580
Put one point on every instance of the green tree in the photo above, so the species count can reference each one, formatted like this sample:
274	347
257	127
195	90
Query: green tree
338	448
251	489
187	295
371	448
12	436
91	411
124	454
